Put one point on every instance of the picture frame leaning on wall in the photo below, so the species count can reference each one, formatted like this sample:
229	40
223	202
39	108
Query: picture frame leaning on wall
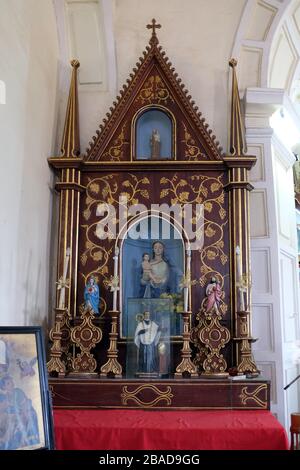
25	406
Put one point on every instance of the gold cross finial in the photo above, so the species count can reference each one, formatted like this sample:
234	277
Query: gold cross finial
153	26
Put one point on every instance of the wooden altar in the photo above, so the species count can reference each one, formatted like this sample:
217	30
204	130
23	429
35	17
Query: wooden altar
154	148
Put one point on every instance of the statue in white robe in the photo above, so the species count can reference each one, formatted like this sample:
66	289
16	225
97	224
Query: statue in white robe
146	338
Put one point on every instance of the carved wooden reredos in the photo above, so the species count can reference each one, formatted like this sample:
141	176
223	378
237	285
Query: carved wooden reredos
187	167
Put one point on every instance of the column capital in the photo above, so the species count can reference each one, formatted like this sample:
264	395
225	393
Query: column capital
260	104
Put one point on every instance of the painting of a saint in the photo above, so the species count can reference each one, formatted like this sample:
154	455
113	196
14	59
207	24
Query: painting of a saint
21	413
18	419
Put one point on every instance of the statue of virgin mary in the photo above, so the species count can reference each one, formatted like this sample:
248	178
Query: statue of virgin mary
157	281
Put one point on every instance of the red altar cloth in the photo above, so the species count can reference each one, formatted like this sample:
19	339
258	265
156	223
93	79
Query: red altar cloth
168	430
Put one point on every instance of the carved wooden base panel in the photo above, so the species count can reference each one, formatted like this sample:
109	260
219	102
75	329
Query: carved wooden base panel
251	394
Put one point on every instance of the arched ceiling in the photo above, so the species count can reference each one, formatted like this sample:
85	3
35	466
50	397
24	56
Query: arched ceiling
267	45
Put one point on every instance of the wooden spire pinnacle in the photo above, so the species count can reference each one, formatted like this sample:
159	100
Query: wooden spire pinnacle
237	144
70	146
153	25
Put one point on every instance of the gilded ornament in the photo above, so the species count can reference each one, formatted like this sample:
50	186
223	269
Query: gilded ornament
192	151
209	232
154	90
115	153
95	188
208	206
215	187
159	395
87	214
258	395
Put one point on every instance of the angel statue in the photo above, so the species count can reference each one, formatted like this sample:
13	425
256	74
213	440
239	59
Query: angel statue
214	295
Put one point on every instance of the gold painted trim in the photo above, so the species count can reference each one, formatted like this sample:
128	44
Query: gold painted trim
174	382
136	163
237	142
231	263
76	246
72	279
238	185
70	146
161	395
240	161
252	395
61	162
188	408
60	185
60	228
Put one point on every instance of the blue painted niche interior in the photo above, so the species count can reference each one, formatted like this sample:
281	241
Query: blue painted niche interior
146	123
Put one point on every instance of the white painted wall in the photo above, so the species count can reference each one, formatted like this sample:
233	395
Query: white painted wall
267	47
28	67
197	35
274	256
266	299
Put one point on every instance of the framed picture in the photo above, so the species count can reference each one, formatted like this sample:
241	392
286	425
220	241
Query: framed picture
25	405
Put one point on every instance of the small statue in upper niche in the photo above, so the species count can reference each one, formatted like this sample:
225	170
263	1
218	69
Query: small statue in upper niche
155	145
214	295
92	295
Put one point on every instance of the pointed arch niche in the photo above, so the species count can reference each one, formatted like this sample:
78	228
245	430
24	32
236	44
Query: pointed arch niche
137	289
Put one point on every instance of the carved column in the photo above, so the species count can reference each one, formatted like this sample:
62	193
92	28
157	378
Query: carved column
67	167
70	188
238	188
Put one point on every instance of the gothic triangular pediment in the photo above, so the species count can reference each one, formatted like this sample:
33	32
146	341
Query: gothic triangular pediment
154	82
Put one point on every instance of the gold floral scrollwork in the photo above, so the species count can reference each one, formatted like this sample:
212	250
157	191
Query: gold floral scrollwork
192	152
115	153
208	191
154	89
106	192
159	395
258	395
84	362
214	336
85	336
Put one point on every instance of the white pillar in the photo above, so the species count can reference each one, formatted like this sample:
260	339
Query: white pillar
273	250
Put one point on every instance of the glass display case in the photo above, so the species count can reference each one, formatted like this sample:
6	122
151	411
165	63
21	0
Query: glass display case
148	352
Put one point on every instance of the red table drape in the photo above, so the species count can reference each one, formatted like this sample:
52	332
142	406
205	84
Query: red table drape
168	430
